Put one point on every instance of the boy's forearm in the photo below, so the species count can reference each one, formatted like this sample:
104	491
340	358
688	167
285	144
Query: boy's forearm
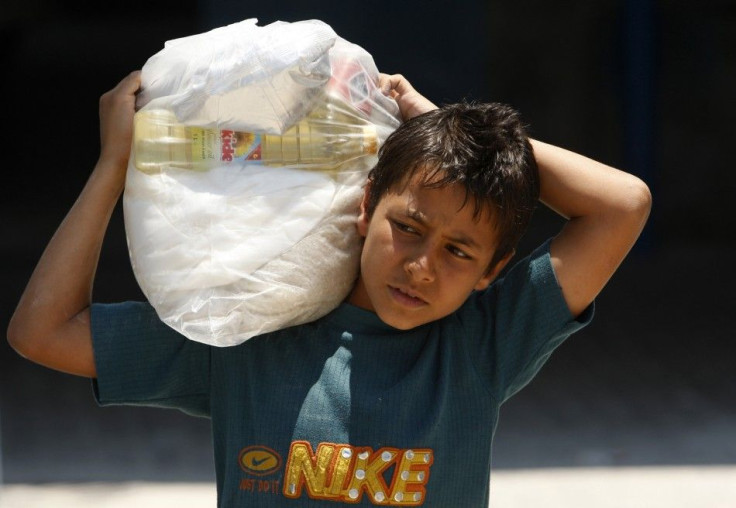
576	186
607	210
51	323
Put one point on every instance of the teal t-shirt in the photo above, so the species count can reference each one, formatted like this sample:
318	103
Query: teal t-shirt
346	408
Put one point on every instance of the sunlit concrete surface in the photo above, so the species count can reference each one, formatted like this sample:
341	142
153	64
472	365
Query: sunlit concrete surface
629	487
109	495
634	487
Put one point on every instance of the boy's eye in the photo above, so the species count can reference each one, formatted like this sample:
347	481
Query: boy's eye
405	227
458	252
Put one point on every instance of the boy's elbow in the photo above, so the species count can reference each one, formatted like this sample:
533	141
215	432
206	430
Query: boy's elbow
637	200
18	337
65	346
23	338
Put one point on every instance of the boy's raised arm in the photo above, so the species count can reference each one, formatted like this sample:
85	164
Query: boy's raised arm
51	324
606	208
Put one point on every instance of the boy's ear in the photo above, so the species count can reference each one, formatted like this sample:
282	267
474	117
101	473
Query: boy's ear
363	217
493	272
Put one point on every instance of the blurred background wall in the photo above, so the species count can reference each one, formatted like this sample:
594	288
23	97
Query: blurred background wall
647	86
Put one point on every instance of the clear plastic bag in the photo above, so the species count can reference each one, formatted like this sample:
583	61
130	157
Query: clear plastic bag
228	249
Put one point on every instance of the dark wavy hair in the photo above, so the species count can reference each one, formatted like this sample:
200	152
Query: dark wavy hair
483	147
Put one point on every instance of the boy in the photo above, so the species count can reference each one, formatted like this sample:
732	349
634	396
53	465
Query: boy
391	399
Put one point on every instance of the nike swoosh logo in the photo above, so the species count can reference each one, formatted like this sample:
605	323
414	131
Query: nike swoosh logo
257	462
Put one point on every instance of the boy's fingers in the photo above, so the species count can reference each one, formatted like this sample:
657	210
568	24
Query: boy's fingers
401	84
131	82
126	88
384	84
394	84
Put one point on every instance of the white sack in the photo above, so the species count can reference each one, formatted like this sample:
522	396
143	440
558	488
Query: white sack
233	252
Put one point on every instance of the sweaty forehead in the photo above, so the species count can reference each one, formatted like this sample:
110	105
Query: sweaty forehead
429	203
435	183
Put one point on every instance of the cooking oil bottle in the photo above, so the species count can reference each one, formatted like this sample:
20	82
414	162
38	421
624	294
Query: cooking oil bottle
330	135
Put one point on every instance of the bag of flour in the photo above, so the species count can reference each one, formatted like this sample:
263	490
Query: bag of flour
251	148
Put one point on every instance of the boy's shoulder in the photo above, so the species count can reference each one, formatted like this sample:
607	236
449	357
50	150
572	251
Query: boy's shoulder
528	292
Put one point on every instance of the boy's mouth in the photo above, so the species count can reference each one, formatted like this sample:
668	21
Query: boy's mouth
407	297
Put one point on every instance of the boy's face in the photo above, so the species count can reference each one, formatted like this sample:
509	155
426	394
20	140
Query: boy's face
424	253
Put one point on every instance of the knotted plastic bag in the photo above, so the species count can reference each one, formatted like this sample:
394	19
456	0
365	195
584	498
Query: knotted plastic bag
244	248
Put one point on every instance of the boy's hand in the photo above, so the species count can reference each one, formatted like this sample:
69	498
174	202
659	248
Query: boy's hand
117	108
411	103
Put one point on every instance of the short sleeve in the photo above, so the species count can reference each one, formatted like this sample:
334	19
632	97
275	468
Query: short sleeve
513	327
141	361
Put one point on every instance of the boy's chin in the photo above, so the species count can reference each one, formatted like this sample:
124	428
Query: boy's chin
403	322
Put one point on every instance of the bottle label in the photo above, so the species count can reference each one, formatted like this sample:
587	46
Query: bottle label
227	146
204	143
240	146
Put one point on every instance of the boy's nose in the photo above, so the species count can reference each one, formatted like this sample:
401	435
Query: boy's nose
421	267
